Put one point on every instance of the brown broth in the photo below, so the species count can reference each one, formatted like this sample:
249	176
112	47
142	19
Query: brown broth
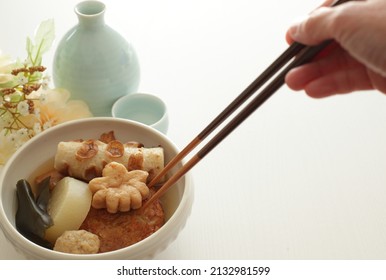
40	170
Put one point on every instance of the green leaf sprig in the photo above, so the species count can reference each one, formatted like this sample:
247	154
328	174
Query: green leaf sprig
16	99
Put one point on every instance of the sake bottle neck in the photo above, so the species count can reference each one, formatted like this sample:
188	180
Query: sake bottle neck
90	13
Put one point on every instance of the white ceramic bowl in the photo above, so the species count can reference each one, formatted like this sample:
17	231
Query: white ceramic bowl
40	149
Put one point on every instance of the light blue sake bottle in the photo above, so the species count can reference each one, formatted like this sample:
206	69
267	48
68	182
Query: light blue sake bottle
94	62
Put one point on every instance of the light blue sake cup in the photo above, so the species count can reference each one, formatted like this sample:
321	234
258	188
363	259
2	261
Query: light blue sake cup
144	108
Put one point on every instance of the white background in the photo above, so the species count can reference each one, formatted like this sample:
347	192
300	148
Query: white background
300	179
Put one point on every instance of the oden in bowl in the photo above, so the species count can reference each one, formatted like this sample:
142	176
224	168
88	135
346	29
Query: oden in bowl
40	151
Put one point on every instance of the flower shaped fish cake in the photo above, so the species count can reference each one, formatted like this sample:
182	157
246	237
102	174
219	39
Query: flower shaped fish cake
119	189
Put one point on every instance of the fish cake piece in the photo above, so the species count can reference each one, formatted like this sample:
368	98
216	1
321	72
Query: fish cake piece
122	229
77	242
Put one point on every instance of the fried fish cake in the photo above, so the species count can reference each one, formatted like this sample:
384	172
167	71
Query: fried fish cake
123	229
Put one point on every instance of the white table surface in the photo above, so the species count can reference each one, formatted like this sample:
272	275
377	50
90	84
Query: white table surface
300	179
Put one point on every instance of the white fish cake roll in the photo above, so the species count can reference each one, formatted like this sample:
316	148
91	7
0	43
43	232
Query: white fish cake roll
85	160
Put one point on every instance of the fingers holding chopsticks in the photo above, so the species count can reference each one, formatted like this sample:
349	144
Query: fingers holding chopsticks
328	22
358	28
334	73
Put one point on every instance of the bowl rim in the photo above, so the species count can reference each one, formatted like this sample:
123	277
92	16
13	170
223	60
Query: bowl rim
18	240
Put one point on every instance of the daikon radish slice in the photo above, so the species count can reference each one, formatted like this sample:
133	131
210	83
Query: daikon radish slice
68	206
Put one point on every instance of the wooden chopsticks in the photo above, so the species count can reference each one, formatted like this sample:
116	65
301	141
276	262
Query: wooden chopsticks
303	55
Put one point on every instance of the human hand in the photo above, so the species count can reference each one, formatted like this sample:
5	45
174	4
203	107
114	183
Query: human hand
357	58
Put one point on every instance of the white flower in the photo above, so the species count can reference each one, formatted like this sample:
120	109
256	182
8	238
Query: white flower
43	97
21	79
23	107
27	61
7	98
12	138
46	82
18	137
37	112
22	132
47	124
37	128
